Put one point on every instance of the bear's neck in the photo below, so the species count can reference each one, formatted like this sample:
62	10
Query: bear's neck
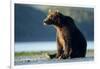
65	21
59	23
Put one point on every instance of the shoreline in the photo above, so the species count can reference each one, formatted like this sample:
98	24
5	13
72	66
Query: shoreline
27	58
89	52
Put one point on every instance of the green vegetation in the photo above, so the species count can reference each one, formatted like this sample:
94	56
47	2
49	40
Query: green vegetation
34	53
26	53
31	53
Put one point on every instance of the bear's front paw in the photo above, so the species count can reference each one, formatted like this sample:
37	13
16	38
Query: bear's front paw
58	55
65	55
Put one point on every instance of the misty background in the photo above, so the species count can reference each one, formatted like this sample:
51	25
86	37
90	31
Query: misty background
29	24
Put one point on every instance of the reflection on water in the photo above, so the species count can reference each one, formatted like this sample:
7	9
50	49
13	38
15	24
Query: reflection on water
42	46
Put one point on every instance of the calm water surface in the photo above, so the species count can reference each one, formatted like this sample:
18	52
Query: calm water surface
42	46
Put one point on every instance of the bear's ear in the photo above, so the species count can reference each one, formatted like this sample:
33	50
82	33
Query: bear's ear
49	11
57	11
53	11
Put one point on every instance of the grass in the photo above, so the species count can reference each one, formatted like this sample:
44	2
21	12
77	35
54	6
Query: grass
33	53
30	53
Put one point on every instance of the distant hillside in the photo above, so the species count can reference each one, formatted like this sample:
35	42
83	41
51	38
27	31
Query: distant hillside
29	25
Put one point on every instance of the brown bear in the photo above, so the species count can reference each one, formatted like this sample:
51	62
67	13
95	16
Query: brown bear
70	41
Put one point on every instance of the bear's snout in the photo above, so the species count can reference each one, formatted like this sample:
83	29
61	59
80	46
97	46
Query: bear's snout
45	22
48	21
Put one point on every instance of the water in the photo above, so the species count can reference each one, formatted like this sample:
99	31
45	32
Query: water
42	46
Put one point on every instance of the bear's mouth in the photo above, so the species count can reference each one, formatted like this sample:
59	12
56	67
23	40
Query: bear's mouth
45	24
48	21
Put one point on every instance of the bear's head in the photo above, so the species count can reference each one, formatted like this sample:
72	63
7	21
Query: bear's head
56	18
52	18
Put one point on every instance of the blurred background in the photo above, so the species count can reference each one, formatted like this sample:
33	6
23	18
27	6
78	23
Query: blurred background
31	35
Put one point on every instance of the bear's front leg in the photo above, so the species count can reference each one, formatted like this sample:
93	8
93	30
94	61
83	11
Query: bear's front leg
59	50
67	50
67	53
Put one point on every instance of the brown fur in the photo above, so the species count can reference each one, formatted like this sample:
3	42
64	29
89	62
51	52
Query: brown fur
70	41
